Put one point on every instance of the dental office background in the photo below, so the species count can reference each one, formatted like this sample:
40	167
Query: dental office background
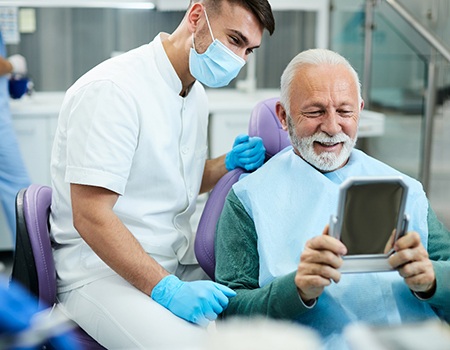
62	42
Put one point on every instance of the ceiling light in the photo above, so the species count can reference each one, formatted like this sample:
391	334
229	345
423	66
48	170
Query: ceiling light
123	4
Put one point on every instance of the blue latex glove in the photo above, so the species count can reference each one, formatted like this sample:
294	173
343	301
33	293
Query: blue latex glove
247	153
198	302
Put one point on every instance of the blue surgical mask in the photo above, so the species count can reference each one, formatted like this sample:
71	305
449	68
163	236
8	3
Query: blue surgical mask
217	66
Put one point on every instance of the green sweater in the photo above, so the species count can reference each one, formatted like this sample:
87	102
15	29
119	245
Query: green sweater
237	266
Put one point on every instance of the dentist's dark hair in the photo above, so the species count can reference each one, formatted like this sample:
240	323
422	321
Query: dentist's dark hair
260	8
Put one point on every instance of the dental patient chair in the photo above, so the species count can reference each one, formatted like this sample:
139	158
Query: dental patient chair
33	265
265	124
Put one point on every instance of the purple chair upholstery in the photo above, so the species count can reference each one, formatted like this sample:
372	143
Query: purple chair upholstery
33	264
204	240
265	124
32	240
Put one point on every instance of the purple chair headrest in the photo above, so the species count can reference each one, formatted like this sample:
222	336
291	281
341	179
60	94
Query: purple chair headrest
265	124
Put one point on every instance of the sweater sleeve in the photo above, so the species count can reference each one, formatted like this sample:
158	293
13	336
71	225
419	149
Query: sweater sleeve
237	266
439	252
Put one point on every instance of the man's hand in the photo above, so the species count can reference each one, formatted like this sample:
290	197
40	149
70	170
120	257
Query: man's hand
247	153
413	264
319	265
19	64
198	302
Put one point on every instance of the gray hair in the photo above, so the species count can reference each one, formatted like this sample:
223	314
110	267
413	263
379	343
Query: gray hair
312	57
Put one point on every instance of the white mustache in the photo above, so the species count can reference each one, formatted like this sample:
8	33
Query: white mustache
330	140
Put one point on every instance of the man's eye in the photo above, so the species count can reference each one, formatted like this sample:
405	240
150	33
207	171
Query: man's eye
313	114
346	113
234	40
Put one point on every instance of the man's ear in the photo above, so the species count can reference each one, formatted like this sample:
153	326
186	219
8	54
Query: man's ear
281	114
195	12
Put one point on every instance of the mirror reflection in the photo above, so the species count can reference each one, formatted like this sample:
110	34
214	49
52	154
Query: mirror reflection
370	217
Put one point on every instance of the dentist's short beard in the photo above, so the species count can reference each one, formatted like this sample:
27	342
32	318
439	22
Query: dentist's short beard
325	161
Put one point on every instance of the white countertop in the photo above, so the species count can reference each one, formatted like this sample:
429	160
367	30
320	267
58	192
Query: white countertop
229	100
38	103
220	101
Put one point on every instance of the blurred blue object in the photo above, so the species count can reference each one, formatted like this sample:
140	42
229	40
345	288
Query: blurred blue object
24	326
18	86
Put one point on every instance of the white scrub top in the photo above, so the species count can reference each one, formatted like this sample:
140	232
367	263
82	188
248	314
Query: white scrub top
124	127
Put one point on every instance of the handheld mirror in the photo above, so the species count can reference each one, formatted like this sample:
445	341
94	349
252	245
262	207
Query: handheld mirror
370	218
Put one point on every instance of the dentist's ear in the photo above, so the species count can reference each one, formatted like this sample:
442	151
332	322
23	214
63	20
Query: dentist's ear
281	114
193	16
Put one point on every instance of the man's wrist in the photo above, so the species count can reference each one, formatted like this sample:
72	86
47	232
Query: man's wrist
426	294
10	67
308	303
164	291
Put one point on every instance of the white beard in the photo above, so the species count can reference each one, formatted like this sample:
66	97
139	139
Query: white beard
325	161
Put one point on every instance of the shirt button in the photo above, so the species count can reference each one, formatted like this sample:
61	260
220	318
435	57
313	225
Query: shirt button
185	150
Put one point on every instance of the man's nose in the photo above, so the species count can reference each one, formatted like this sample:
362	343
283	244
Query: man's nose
330	124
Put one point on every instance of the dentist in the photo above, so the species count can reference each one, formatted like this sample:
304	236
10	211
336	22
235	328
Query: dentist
128	161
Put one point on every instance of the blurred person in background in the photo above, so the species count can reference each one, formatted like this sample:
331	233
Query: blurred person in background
13	173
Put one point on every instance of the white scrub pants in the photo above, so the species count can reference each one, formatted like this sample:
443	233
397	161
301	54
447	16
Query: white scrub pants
119	316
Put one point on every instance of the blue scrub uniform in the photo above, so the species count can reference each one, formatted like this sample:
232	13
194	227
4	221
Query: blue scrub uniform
13	174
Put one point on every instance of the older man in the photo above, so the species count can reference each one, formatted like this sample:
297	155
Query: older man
269	246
